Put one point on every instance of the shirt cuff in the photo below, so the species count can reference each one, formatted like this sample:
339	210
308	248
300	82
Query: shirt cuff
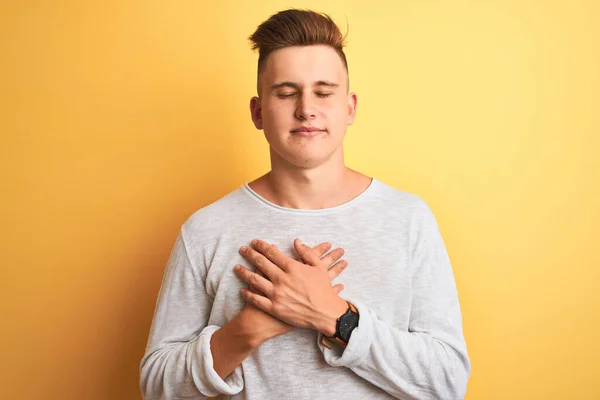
208	381
358	345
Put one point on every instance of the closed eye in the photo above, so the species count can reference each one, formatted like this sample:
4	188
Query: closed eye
324	94
286	95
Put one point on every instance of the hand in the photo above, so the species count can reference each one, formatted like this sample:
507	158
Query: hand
297	293
272	326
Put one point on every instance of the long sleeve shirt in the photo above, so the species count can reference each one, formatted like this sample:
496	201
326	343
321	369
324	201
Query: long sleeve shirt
409	343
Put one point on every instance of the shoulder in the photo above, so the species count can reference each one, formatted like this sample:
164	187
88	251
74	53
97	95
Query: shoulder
217	214
396	199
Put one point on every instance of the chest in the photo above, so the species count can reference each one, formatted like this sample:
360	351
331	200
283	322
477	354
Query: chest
378	272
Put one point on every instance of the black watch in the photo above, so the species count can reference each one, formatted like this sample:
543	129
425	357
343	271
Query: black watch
345	325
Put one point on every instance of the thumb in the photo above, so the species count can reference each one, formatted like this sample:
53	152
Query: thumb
338	288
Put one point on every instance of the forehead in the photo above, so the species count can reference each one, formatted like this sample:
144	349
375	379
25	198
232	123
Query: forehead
305	64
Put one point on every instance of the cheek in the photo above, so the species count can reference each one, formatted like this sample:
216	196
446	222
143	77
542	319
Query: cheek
275	113
336	113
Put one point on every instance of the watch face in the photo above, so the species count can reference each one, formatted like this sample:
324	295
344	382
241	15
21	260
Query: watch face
347	324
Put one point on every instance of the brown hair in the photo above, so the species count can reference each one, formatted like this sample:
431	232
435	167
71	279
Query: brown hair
295	27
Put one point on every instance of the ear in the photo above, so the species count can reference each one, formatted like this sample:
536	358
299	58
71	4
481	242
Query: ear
352	104
256	112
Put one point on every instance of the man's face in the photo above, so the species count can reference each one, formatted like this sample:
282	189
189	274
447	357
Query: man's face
304	107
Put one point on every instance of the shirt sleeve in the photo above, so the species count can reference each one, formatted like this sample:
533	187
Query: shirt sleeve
429	360
178	362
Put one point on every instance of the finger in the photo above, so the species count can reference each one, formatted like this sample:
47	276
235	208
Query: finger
259	273
261	262
322	248
272	253
260	302
309	255
338	288
256	282
250	288
337	269
332	257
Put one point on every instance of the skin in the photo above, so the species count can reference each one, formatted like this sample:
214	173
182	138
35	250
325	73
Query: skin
231	344
298	87
295	292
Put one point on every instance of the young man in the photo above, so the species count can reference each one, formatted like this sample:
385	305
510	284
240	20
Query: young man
395	331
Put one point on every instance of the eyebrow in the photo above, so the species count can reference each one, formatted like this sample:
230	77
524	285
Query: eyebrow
296	86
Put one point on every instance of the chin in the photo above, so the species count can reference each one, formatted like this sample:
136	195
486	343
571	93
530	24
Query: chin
307	160
304	157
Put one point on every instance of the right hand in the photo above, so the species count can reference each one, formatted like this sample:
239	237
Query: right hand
272	326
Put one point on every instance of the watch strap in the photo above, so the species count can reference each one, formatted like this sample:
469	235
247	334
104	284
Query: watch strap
329	341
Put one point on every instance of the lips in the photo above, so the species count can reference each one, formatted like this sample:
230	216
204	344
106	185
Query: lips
306	129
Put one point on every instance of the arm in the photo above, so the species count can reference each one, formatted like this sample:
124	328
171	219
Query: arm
185	358
235	341
178	362
252	327
429	360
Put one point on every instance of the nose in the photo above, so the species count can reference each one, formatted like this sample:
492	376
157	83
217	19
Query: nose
305	110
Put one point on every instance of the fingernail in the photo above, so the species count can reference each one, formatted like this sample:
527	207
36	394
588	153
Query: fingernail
254	242
299	241
243	249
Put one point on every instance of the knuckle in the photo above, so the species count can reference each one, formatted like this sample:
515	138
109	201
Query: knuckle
275	296
285	280
286	264
253	279
277	308
259	261
270	252
338	267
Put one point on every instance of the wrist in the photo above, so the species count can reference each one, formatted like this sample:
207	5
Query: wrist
257	326
329	322
251	333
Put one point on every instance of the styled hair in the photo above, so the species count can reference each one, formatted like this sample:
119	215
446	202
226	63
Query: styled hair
296	27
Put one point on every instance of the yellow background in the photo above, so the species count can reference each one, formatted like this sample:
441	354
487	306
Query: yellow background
121	118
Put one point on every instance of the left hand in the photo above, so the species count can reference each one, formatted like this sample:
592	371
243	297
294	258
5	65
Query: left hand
296	293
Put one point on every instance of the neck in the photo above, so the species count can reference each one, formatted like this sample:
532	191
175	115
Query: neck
327	185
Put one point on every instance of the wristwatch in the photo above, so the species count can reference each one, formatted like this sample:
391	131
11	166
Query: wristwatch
343	329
